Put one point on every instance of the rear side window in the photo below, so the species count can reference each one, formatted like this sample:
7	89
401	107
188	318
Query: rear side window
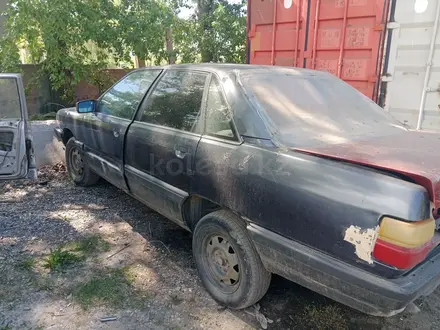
218	116
123	99
176	101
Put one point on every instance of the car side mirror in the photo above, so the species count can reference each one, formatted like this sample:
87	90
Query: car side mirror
86	106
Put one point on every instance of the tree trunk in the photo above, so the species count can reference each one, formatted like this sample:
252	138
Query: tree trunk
170	46
139	62
204	15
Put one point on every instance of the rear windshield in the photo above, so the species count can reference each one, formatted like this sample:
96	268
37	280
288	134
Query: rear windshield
306	109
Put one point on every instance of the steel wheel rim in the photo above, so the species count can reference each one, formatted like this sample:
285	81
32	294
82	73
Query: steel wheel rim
76	162
223	263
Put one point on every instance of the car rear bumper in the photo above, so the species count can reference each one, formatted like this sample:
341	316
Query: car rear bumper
340	281
58	132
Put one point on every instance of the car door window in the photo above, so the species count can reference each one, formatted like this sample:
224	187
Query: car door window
123	99
9	99
218	117
176	101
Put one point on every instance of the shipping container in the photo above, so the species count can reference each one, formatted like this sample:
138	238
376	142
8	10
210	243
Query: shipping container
384	48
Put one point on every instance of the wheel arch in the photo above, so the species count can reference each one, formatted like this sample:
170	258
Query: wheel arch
67	135
195	207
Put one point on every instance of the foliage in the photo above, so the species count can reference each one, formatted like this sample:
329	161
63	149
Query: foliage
229	24
56	34
28	264
75	40
186	43
216	34
9	58
141	28
58	259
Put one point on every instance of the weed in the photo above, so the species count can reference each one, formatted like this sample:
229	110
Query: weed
59	258
93	244
88	245
111	289
28	264
75	251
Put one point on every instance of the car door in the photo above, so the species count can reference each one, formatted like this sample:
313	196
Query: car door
219	154
162	141
109	123
16	150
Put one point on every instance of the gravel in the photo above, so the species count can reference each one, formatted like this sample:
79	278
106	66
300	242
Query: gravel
165	291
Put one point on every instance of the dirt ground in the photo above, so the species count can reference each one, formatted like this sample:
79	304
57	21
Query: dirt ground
71	256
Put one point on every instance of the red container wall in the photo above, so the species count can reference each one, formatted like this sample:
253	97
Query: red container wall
309	34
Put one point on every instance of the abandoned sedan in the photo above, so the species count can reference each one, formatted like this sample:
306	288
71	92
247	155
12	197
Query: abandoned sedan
274	170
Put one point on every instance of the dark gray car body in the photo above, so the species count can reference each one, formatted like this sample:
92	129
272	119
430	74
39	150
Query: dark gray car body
297	206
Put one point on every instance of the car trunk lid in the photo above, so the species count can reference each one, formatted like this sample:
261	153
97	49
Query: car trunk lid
410	153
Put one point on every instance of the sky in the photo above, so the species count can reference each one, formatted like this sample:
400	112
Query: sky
187	12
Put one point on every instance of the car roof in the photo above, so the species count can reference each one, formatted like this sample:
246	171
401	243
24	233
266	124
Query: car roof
249	121
226	68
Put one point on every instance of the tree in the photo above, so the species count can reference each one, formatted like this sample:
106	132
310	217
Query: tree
56	32
229	39
142	26
205	9
217	33
75	40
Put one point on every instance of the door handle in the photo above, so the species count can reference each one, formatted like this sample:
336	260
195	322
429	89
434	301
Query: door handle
116	133
180	154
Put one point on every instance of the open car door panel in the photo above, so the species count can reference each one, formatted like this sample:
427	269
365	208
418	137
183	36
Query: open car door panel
17	159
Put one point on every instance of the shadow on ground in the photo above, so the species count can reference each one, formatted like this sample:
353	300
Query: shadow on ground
48	215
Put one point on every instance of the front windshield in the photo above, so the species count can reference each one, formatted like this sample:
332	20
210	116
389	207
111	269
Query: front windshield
308	108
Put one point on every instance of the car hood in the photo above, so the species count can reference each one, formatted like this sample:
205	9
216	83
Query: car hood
411	153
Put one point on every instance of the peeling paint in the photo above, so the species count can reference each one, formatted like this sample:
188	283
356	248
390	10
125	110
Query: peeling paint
363	240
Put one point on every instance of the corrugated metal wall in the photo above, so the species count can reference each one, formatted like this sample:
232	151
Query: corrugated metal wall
347	38
341	37
410	40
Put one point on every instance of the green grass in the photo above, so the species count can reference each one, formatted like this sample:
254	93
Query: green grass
112	289
88	245
76	251
59	259
73	252
28	264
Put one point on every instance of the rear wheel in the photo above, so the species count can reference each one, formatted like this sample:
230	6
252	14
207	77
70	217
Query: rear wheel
228	263
78	171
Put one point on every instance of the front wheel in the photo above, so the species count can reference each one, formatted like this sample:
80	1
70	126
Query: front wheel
78	170
228	263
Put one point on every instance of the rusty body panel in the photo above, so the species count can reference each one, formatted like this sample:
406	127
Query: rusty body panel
413	154
344	38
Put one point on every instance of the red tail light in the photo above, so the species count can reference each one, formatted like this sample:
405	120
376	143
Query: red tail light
404	244
400	257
